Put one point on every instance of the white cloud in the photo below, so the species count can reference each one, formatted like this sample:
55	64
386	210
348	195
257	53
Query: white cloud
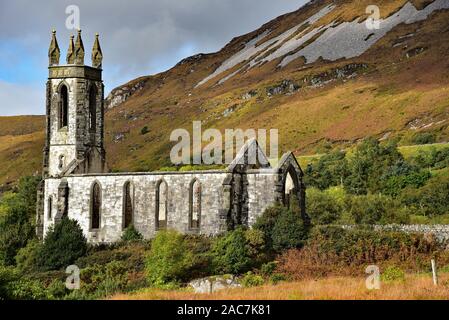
138	37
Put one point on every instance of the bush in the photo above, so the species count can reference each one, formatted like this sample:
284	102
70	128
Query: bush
15	287
268	268
289	231
424	138
323	207
277	277
377	209
231	253
431	200
265	223
392	273
343	252
102	281
252	280
130	234
57	290
144	130
27	258
63	245
169	259
17	219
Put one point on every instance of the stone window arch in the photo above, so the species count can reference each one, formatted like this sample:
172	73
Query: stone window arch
93	108
195	204
95	206
290	187
128	204
161	205
50	208
63	108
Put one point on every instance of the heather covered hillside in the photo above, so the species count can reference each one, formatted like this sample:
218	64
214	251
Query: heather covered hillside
317	74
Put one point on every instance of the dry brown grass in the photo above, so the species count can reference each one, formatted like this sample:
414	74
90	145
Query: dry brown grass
415	287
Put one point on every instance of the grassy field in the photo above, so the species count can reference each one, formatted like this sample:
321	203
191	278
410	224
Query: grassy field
414	287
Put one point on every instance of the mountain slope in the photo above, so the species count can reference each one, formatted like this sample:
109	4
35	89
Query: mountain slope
318	75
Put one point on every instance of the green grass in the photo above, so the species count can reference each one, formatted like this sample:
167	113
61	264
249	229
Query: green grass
411	151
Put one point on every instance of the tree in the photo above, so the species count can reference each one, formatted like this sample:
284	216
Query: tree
169	258
17	219
231	253
289	231
63	245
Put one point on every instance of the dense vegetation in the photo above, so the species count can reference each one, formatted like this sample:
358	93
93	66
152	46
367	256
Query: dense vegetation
375	184
371	184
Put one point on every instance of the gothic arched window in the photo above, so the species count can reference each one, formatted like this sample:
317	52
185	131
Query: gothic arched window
50	208
63	107
92	109
195	205
289	189
161	205
95	206
128	204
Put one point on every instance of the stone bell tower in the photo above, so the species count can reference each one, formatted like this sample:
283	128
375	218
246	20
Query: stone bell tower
75	112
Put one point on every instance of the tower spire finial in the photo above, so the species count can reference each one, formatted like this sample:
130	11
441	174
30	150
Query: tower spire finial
71	51
79	49
97	54
53	52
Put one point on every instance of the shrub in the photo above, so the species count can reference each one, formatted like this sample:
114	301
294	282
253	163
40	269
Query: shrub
430	200
101	281
231	253
392	273
57	290
276	278
377	209
266	222
289	231
15	287
132	254
27	257
252	280
144	130
323	207
424	138
342	252
17	219
169	259
268	268
130	234
62	246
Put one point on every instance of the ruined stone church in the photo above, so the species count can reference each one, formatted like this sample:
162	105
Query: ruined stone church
77	184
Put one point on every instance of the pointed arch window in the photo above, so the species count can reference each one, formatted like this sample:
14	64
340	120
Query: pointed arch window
50	208
161	205
95	206
289	189
63	112
128	204
92	109
195	205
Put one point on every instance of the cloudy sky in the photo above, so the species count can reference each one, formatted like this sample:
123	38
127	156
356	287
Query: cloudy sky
138	37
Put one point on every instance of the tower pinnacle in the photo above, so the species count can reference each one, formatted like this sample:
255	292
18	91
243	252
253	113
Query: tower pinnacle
71	51
97	55
79	50
53	52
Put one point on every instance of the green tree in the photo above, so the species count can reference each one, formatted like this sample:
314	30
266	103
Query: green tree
169	259
63	245
17	219
328	171
289	231
231	253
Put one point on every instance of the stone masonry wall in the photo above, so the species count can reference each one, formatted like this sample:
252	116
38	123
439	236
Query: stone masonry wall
262	194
